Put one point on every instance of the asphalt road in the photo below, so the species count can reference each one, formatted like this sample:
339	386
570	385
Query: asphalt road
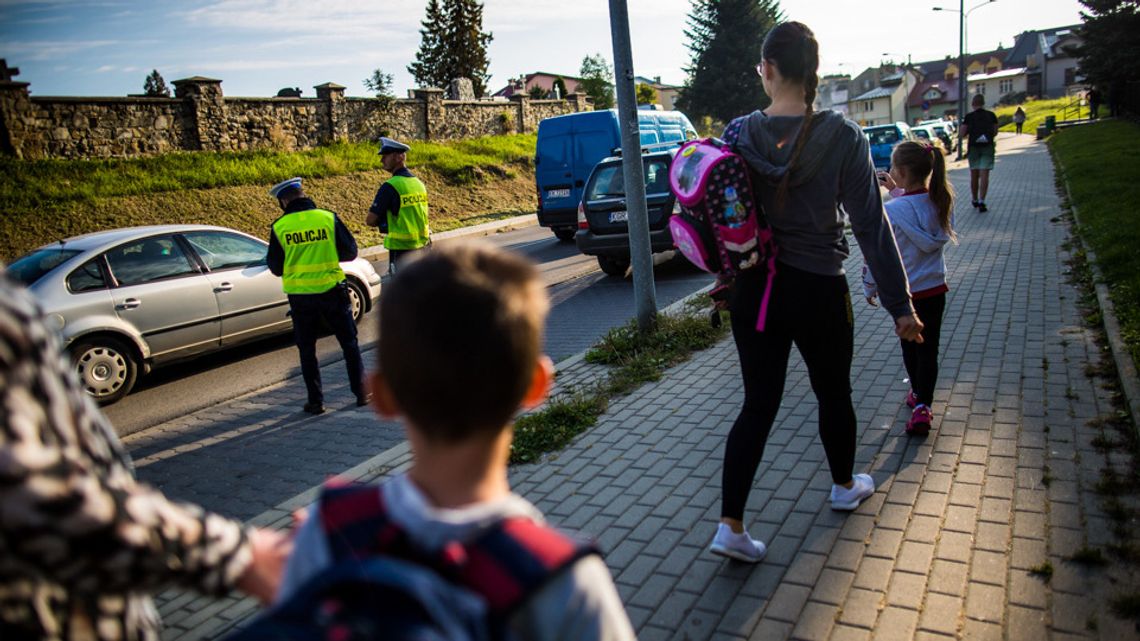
586	304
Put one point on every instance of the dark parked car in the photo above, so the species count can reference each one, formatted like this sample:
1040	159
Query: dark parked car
602	213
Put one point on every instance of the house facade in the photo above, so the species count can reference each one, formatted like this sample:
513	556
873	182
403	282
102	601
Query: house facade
541	79
1051	71
666	94
994	86
833	93
936	94
886	102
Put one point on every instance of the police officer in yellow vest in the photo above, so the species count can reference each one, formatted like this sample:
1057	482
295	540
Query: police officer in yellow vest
400	208
305	249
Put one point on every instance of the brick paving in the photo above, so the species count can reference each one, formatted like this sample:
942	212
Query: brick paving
945	547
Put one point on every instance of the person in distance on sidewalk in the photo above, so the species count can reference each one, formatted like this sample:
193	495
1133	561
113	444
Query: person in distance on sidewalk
980	127
803	164
922	222
306	247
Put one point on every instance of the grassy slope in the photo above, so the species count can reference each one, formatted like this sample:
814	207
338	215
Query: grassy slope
468	181
1035	112
1101	163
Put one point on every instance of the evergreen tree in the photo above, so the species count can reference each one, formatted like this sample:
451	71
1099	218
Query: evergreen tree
155	86
427	69
379	83
597	80
536	93
1110	55
725	39
465	44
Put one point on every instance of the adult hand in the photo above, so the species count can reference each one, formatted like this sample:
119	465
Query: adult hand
871	300
271	550
909	328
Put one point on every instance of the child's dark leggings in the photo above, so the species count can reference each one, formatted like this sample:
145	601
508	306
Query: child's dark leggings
814	313
921	359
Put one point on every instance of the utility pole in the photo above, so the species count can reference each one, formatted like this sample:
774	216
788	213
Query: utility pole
644	293
961	70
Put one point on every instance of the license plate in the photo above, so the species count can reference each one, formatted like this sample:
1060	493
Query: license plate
558	193
619	216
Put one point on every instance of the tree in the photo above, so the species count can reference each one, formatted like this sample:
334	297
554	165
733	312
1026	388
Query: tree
646	94
536	93
380	83
466	44
725	38
427	69
597	80
155	86
1110	55
452	45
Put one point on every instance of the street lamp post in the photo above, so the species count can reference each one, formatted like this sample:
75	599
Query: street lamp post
962	15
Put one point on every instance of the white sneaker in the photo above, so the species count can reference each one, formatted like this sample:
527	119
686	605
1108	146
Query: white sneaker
849	499
737	546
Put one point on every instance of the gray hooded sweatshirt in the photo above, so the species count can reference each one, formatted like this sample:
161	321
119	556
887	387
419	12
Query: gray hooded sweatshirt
833	180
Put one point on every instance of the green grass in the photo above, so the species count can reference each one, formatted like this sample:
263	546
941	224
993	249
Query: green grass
42	183
1035	112
636	358
1101	164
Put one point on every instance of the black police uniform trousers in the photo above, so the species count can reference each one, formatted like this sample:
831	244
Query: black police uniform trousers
334	308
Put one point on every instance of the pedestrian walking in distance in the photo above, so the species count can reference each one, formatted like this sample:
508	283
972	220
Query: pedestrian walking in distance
980	127
306	248
921	213
400	208
1019	119
804	165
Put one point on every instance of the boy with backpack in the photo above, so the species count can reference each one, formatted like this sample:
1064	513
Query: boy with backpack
447	547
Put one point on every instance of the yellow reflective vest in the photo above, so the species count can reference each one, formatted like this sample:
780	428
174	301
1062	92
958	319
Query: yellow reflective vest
309	241
409	228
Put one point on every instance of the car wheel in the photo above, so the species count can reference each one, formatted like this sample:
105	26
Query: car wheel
106	366
356	300
565	234
613	266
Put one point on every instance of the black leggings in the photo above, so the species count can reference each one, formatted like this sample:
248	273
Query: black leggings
921	359
814	313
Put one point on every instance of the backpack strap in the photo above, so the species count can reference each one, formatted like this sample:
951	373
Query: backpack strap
732	130
356	523
513	559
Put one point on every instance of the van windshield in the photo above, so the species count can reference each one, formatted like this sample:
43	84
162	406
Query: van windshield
609	181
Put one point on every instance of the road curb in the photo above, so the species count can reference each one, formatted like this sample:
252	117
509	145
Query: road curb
483	229
1125	368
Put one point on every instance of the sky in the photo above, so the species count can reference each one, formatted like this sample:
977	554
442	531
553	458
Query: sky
107	47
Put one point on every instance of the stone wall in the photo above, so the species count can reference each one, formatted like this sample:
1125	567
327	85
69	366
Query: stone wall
199	117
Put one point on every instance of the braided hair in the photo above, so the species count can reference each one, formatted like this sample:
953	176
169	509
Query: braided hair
792	47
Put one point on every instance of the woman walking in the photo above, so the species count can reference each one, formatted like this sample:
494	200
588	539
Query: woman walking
804	165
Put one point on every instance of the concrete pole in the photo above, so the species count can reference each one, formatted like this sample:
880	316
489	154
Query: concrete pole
961	71
644	293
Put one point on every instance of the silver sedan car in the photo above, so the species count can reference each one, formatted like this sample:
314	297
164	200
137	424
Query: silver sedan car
127	300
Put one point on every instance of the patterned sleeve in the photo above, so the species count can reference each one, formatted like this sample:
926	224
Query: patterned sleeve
71	511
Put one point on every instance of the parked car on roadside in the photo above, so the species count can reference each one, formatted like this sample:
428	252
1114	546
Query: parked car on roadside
927	134
569	146
935	133
127	300
603	216
883	139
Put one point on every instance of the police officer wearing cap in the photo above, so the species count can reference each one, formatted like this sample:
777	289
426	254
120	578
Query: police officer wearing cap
400	208
305	249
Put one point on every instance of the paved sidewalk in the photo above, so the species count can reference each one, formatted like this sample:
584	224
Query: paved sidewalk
944	549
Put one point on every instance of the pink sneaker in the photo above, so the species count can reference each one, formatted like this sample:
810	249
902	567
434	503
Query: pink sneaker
911	399
919	423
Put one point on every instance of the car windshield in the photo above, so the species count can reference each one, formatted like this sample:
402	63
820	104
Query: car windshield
32	267
609	182
883	136
921	133
939	130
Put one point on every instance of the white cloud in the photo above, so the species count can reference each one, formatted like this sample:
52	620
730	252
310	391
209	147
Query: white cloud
52	49
332	18
105	69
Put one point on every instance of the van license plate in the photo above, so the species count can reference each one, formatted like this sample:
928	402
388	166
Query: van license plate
558	193
619	216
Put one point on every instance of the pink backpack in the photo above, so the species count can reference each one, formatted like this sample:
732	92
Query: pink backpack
721	228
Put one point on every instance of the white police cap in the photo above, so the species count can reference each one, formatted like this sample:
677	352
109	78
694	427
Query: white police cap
387	146
284	185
